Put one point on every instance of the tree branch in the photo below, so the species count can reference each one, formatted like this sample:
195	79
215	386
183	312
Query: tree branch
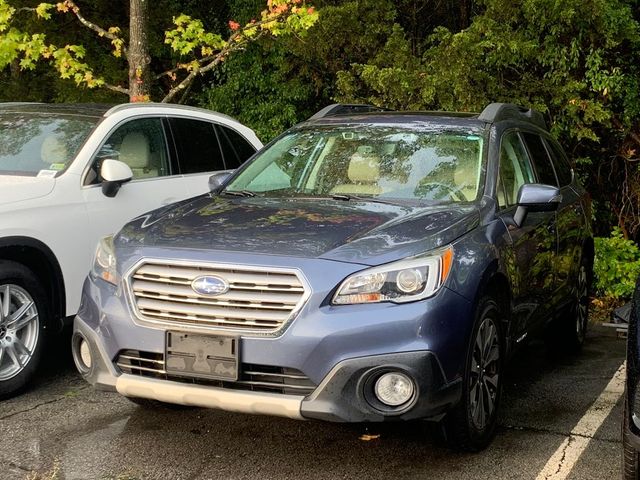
215	61
116	88
170	72
92	26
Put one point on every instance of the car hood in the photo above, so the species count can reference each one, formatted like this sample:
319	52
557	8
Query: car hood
348	231
19	189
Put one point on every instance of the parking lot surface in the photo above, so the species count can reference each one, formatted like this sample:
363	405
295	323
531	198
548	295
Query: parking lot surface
62	429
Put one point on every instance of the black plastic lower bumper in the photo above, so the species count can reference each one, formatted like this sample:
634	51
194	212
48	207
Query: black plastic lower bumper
345	395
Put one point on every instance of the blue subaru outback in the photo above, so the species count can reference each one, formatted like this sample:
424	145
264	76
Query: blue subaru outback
365	266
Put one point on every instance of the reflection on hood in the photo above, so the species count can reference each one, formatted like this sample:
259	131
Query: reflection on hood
353	231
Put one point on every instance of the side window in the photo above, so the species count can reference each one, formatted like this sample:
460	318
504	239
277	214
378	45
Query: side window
563	169
197	145
515	169
141	144
235	148
541	159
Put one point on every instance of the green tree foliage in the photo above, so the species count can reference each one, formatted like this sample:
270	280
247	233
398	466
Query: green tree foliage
617	265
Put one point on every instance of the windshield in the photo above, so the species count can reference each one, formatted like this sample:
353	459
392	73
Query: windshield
368	161
37	144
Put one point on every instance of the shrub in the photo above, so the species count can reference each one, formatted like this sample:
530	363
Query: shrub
616	266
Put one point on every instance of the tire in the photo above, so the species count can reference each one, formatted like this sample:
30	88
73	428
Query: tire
22	337
471	425
630	456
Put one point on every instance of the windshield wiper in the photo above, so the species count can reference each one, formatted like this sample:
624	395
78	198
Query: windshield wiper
346	198
239	193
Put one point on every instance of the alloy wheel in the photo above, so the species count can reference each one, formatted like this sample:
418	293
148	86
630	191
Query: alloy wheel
484	374
19	330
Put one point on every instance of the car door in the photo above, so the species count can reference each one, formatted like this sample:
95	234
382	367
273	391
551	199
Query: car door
204	148
142	144
570	221
533	252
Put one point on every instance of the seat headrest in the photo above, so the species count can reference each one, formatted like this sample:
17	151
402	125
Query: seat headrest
364	166
53	150
135	151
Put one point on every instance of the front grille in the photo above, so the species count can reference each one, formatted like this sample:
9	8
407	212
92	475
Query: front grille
259	301
258	378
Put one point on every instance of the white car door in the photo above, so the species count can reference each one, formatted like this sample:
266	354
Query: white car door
142	144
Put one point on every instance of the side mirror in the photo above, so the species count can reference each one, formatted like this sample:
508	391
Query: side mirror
535	197
218	179
114	173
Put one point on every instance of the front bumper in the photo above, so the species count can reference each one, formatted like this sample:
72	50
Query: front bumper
341	397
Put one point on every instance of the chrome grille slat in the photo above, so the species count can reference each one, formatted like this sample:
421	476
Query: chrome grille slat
273	385
184	273
281	375
138	359
200	321
141	287
258	300
131	368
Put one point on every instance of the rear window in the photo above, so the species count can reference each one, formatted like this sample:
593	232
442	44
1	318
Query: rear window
41	144
197	144
563	168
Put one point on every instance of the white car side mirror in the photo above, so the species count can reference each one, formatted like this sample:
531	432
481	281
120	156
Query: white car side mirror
114	173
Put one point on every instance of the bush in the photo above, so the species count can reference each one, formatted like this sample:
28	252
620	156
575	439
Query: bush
617	265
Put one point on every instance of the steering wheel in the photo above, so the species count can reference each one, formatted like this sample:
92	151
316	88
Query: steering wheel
453	192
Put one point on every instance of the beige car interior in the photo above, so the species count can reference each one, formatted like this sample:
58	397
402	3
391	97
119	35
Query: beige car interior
363	173
136	152
511	176
466	177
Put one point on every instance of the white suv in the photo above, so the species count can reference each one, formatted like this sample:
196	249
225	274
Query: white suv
71	174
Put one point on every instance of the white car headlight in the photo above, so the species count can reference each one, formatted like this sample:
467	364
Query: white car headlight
104	262
406	280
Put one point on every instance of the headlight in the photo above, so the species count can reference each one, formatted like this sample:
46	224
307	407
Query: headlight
403	281
104	263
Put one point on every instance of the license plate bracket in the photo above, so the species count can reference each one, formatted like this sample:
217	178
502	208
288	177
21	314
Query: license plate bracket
202	356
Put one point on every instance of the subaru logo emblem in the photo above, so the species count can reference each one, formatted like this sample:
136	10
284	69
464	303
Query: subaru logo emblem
209	285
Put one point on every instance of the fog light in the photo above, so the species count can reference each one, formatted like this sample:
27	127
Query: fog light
394	389
85	353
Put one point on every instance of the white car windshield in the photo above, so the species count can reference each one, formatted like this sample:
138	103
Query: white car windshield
374	161
32	143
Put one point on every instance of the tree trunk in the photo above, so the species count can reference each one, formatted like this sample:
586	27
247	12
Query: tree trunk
138	53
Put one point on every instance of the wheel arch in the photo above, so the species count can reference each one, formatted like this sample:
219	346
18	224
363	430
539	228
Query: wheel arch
496	284
40	259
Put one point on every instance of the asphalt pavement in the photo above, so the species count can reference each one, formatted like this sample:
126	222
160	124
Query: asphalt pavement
62	429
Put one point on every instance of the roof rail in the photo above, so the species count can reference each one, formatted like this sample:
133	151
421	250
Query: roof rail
14	104
173	106
346	109
496	112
